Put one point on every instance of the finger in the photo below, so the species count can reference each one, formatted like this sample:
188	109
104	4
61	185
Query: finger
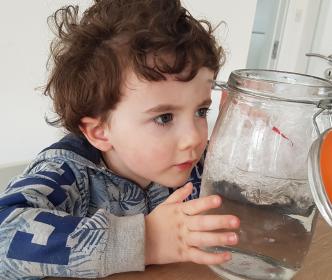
202	257
208	239
180	194
199	205
212	222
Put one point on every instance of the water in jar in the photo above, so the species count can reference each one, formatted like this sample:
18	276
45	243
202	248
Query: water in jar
276	226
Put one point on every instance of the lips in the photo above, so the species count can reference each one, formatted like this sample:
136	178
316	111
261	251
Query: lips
185	165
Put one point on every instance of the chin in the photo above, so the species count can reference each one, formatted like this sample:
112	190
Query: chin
173	184
174	180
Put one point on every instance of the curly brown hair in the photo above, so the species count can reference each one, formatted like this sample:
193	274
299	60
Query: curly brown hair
91	53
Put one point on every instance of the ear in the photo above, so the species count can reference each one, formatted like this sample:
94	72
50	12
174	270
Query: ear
96	132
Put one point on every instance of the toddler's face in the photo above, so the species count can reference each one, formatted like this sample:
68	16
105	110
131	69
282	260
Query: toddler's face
159	129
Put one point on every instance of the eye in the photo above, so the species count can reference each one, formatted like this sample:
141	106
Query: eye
163	119
202	112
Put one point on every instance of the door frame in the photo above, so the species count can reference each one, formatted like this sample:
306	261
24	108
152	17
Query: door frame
278	32
298	35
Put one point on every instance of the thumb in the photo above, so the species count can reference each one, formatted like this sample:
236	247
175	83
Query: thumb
180	194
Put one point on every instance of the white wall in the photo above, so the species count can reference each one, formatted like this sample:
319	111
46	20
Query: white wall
298	35
322	42
24	47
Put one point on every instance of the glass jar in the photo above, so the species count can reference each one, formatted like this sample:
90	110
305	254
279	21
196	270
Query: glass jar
257	162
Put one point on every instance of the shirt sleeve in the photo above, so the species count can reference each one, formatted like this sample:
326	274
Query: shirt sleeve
45	231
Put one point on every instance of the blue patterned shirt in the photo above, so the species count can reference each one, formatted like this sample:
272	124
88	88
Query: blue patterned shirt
68	215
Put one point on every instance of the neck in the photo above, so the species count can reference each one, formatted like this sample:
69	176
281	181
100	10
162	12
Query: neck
119	168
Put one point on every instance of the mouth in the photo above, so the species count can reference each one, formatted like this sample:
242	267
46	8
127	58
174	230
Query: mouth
185	165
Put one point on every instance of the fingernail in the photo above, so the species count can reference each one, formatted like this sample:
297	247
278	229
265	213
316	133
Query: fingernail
227	256
232	238
233	223
216	200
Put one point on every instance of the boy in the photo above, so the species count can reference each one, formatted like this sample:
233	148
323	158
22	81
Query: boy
131	83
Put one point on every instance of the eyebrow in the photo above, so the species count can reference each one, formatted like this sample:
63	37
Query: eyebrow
170	107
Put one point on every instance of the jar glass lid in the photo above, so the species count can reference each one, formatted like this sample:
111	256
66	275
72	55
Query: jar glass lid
320	174
280	85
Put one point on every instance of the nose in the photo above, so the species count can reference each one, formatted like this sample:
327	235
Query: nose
191	136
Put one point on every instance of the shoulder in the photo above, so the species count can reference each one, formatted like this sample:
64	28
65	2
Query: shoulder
58	174
70	155
74	145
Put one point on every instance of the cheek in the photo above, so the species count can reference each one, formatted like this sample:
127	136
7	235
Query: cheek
204	129
159	149
204	140
146	147
204	132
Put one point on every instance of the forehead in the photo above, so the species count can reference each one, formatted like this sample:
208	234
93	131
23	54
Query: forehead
167	90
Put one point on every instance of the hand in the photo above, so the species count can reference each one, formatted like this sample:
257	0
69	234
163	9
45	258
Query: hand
176	231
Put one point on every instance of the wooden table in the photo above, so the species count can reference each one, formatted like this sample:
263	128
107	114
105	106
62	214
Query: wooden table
317	265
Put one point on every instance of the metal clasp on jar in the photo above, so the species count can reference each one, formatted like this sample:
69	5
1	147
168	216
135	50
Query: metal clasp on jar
324	104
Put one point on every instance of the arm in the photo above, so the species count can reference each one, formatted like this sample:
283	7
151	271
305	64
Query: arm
44	231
